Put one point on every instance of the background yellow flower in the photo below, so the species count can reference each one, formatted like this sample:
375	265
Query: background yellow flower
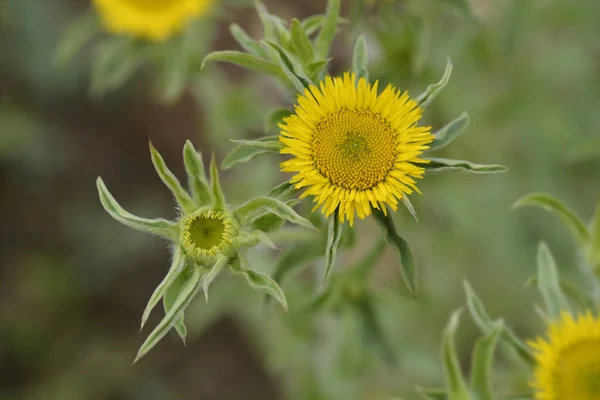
151	19
568	361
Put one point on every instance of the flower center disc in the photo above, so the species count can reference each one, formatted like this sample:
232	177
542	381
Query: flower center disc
354	149
206	233
577	375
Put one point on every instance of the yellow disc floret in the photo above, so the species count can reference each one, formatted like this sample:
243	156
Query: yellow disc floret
150	19
205	234
568	361
354	149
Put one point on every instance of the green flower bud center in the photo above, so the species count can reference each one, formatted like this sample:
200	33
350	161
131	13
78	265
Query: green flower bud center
206	233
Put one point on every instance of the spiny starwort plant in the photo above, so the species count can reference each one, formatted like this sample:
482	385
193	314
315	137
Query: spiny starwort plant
356	151
170	36
208	236
565	362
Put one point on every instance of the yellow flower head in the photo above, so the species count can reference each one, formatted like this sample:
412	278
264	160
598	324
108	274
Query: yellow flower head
568	361
354	148
151	19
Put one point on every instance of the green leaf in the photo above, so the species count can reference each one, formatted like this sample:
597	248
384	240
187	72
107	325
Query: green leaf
570	290
158	226
594	251
326	34
486	325
432	394
282	190
213	273
311	24
408	267
218	197
334	234
425	98
549	284
197	183
261	282
265	19
248	61
449	165
409	207
174	271
268	143
454	378
81	31
291	71
169	298
555	206
244	40
260	206
300	254
183	198
360	58
301	42
242	154
450	132
115	60
188	290
316	68
483	357
275	118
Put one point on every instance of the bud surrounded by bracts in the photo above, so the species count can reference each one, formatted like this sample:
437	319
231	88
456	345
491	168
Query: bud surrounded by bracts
209	236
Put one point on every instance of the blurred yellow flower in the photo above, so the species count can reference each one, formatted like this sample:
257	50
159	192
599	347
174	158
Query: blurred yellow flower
150	19
354	148
568	361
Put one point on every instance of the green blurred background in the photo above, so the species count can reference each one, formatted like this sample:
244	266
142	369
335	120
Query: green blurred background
73	282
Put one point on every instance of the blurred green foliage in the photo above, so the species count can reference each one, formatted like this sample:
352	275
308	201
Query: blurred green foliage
73	282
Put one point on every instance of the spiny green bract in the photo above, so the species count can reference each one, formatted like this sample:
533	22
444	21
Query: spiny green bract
208	236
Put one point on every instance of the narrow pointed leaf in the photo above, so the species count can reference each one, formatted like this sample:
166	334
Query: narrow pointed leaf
573	292
218	197
166	229
261	282
312	23
242	154
549	283
433	394
408	267
187	293
265	19
194	167
176	267
183	198
212	274
486	325
244	40
483	357
433	90
327	32
75	37
247	61
449	165
594	251
169	298
301	42
360	58
556	207
450	132
275	118
316	69
293	73
409	207
282	190
272	144
454	378
260	206
334	234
